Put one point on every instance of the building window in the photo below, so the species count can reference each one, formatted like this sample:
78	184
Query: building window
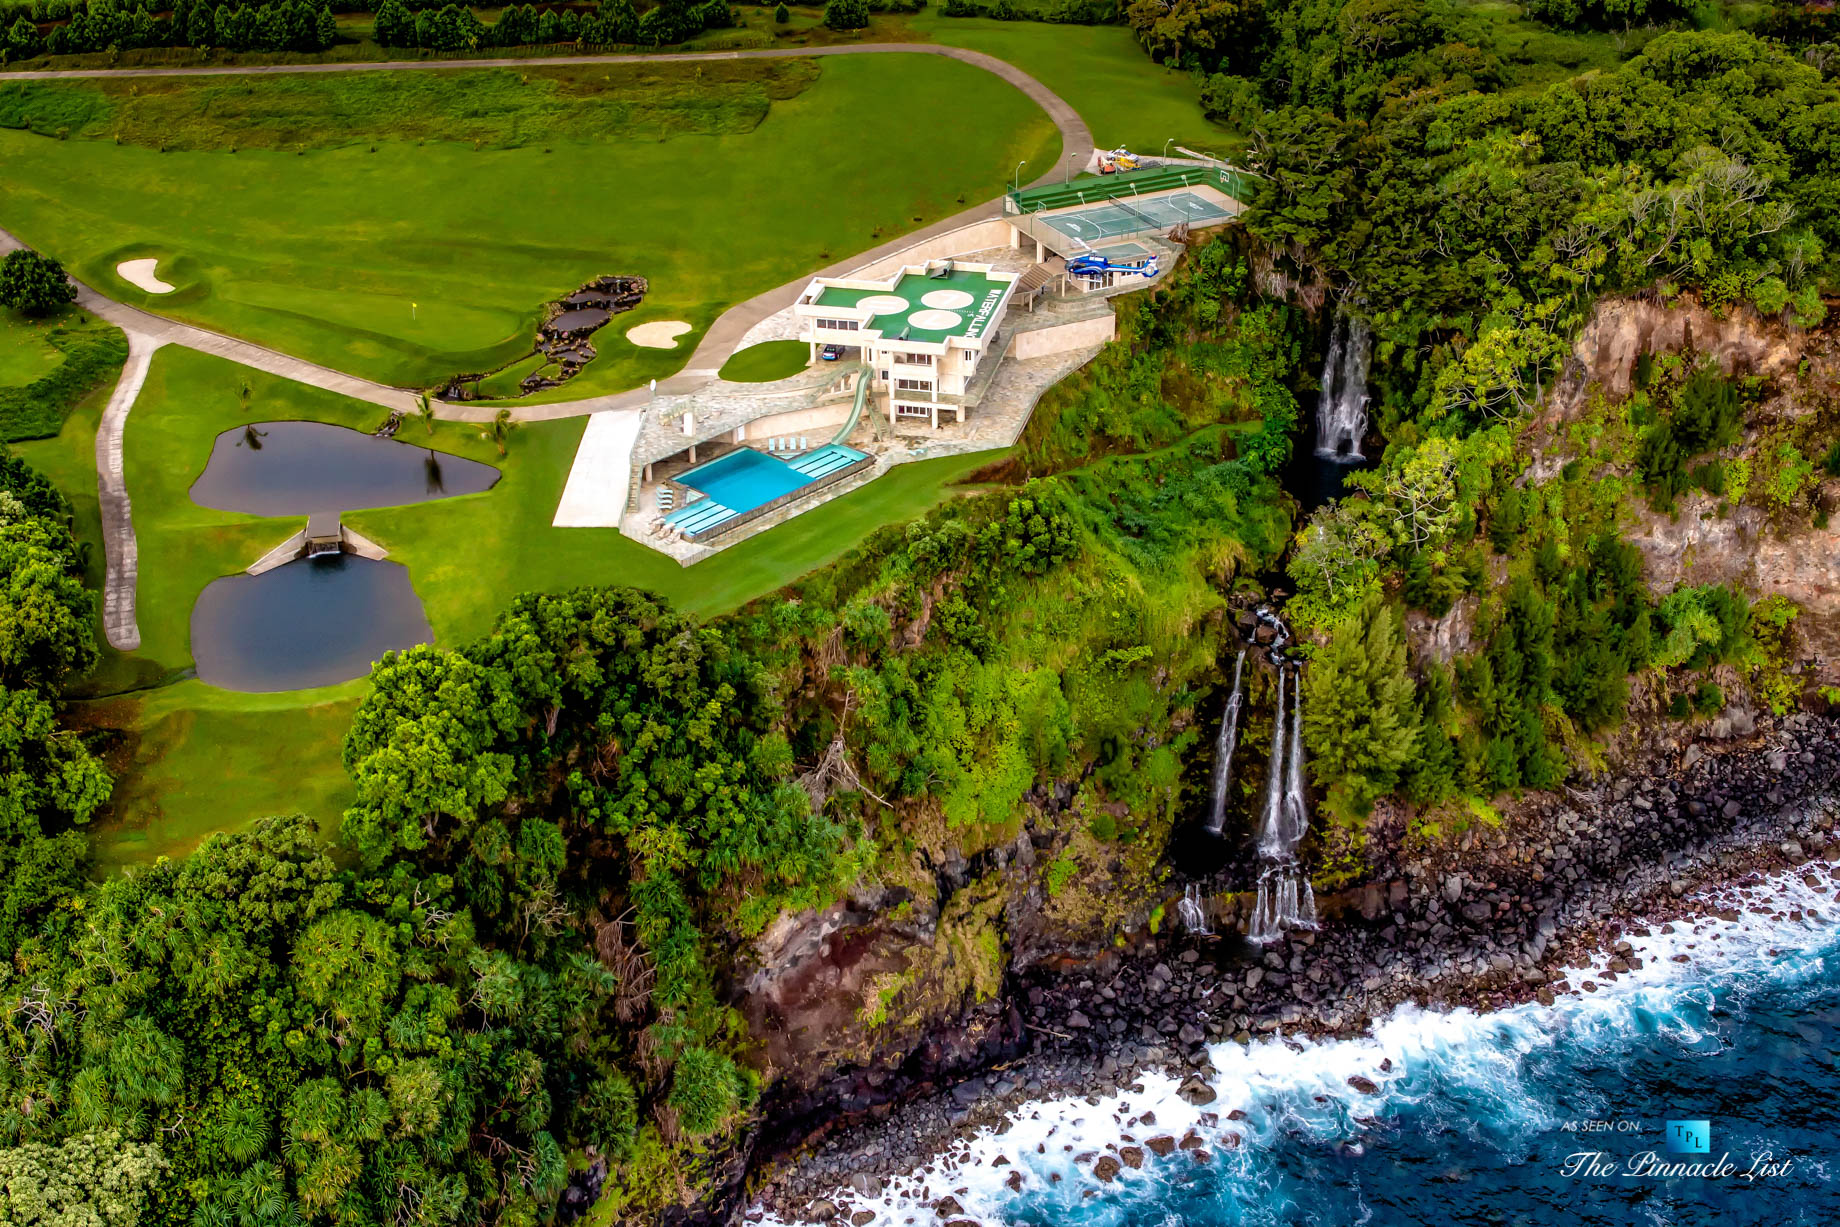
914	385
838	325
915	359
913	411
884	376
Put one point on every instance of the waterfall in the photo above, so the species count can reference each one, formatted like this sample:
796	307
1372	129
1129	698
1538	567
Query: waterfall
1272	841
1341	411
1296	811
1193	912
1224	743
1285	900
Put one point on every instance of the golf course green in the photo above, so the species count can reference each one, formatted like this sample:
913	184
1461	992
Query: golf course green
324	216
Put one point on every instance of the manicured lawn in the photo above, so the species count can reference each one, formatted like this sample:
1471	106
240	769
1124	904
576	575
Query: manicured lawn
422	260
767	361
1123	97
200	760
24	353
204	759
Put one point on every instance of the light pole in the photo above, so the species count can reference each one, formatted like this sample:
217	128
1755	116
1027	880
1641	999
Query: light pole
1070	158
1167	144
1017	185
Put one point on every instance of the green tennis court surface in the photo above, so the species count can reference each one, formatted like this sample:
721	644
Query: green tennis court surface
1117	217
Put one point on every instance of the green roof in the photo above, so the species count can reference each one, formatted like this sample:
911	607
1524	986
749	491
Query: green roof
974	319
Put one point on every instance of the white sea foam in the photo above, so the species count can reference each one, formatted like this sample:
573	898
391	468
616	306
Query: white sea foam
1290	1087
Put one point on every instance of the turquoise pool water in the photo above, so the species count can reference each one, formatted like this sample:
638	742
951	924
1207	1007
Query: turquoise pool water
745	478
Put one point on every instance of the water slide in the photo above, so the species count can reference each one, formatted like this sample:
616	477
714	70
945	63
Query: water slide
862	395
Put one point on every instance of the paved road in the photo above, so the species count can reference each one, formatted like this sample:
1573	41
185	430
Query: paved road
147	331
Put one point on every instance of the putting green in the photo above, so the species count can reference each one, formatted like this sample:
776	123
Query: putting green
422	260
766	362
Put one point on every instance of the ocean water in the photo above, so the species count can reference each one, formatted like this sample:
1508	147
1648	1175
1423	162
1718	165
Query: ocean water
1534	1115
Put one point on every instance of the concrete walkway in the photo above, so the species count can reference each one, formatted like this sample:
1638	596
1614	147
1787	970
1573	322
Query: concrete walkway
121	554
612	433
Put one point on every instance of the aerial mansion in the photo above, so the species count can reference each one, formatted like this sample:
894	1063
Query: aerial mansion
922	333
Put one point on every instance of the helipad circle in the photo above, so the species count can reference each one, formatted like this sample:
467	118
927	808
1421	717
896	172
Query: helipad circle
949	300
883	304
935	321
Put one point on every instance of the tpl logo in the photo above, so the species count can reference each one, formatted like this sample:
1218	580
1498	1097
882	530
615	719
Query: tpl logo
1689	1137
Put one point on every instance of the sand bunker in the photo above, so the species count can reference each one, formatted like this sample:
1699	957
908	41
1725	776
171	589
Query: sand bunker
142	273
659	334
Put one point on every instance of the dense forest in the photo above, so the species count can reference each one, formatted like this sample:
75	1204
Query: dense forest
524	948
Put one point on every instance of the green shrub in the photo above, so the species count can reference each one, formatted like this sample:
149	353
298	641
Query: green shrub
1359	719
705	1088
846	15
34	284
1708	699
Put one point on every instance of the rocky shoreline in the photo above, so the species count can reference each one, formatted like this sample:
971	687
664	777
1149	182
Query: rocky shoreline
1496	920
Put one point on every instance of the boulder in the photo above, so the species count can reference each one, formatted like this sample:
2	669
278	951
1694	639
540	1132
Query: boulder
1195	1090
1162	1146
1367	1086
1106	1168
1133	1156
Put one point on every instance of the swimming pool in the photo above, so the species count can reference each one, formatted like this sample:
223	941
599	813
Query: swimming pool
745	479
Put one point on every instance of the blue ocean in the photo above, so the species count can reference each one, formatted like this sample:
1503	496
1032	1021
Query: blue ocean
1537	1116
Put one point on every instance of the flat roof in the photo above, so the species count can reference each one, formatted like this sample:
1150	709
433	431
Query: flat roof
964	304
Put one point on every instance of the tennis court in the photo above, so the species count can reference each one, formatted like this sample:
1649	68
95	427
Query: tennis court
1150	213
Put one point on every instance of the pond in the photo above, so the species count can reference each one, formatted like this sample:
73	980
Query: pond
295	468
309	623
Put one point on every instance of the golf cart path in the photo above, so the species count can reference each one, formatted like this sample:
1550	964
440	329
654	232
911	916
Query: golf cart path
147	331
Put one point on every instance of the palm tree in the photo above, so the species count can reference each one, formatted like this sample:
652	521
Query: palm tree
501	428
427	413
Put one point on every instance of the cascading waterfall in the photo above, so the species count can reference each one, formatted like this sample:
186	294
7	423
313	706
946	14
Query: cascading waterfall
1193	912
1341	411
1285	900
1271	831
1224	744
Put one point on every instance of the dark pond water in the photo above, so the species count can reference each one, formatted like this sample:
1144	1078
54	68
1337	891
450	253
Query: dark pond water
295	468
579	318
309	623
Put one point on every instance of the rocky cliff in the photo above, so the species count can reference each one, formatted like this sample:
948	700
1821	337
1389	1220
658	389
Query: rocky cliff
1706	539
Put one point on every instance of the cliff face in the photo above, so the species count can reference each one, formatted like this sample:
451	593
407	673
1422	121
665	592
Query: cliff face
1705	540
